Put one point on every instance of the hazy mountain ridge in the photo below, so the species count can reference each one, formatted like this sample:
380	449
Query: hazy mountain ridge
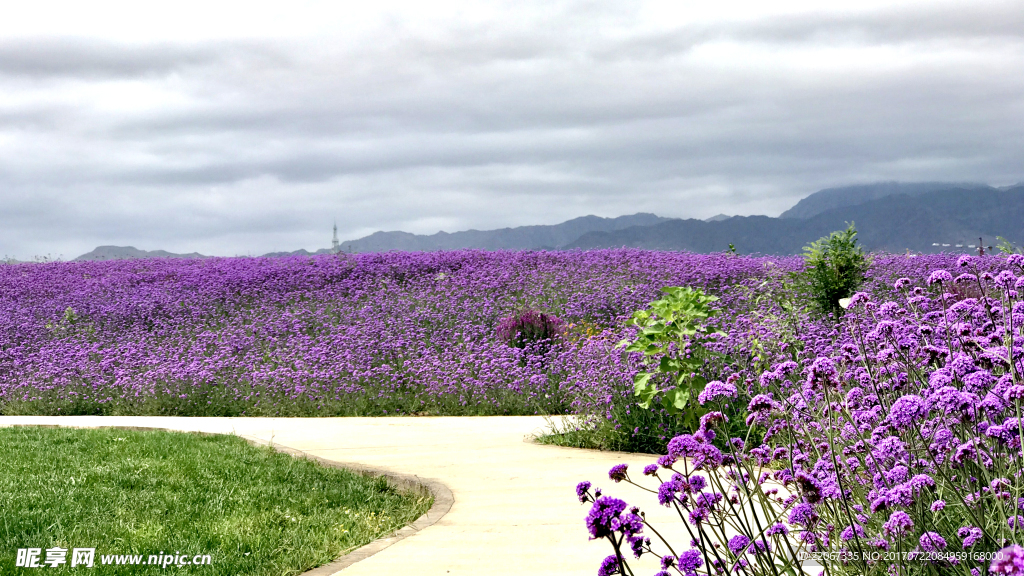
540	237
131	253
892	223
889	216
832	198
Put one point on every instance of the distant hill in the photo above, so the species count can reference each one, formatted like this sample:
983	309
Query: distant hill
831	198
894	223
548	237
131	253
893	216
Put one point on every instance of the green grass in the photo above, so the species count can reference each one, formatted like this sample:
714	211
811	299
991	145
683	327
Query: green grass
638	430
252	509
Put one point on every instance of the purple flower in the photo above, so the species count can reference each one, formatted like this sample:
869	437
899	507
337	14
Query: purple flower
1009	560
650	470
906	411
803	514
899	524
667	492
581	490
711	419
939	277
759	547
1006	279
902	284
618	472
938	505
603	517
810	487
932	542
1015	260
609	566
737	543
690	561
761	402
850	532
970	535
716	389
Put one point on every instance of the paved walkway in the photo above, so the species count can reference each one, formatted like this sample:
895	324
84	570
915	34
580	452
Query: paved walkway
514	509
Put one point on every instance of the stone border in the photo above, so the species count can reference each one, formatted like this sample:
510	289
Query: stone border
443	497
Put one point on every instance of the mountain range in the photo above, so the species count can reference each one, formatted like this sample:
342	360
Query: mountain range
892	216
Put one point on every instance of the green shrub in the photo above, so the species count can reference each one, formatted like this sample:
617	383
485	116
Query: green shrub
834	268
674	333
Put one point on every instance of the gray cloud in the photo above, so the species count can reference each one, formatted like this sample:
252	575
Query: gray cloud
229	146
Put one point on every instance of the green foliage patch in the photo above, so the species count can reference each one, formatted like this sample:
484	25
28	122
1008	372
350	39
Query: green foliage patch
253	510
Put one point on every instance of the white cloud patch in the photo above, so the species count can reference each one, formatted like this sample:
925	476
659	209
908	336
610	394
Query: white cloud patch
232	129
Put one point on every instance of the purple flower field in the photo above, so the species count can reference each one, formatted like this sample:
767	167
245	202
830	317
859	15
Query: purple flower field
887	443
371	334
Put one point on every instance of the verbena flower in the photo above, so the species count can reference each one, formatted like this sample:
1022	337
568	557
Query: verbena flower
714	390
932	542
898	524
1009	560
603	517
690	561
618	472
738	543
581	490
906	411
609	566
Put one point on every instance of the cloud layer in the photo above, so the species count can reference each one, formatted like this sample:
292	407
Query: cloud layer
251	130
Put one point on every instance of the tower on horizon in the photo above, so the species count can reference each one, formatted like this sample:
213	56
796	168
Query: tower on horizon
334	241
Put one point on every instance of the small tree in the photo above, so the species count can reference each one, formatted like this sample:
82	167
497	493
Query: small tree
674	333
835	268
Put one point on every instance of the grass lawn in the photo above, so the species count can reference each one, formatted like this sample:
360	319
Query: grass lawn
125	493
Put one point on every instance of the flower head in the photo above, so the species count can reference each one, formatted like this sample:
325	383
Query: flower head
581	490
906	411
603	516
618	472
609	566
899	523
932	542
1009	560
714	390
737	543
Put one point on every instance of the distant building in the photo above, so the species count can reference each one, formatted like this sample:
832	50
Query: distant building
335	245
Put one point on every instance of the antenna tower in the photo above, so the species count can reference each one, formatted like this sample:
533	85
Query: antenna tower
334	241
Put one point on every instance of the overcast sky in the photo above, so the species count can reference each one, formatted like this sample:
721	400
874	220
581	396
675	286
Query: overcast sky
245	128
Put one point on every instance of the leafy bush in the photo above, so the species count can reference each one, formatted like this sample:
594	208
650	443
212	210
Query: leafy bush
1007	247
893	448
673	337
835	268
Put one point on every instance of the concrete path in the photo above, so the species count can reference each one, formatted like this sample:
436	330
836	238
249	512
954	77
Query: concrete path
514	509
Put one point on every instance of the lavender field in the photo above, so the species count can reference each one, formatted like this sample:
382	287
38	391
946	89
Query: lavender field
372	334
888	441
367	334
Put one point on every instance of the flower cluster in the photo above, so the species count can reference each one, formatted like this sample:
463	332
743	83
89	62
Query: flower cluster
888	443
